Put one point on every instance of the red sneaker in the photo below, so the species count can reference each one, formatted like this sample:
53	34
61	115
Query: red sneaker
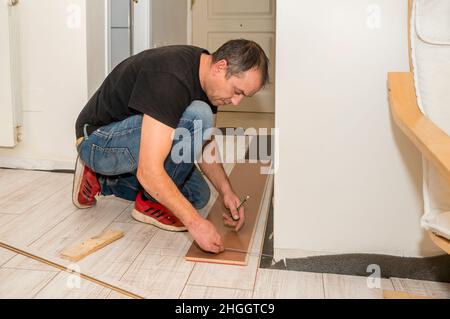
147	211
85	186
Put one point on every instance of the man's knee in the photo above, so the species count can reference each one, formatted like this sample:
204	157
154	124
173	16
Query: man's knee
200	111
203	198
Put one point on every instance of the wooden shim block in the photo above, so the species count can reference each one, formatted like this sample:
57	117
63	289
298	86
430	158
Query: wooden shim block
246	179
91	245
391	294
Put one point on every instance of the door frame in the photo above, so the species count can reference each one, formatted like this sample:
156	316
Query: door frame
12	113
144	23
189	20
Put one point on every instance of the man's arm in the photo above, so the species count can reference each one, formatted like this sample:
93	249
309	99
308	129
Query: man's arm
216	174
156	142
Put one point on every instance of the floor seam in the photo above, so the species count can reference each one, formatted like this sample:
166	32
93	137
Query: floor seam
46	284
187	280
323	286
7	260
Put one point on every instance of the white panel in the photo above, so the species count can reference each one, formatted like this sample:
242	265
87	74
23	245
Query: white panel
348	180
120	46
120	13
141	26
238	8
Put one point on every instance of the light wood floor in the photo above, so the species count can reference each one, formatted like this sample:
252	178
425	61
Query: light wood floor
246	120
36	215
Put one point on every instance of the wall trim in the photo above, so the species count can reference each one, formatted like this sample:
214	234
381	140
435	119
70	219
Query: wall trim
39	164
189	20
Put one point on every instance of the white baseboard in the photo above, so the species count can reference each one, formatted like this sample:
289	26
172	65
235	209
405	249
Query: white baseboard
282	253
39	164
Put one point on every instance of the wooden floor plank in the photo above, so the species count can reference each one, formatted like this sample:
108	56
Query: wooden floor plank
36	191
70	286
353	287
25	263
5	256
114	260
61	284
158	276
26	228
23	284
422	288
80	224
125	216
225	276
116	295
283	284
83	223
166	243
14	180
246	180
203	292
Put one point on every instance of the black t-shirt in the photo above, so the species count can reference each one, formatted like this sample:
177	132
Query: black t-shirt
160	82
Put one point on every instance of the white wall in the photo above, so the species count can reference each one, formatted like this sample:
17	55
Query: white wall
54	61
348	181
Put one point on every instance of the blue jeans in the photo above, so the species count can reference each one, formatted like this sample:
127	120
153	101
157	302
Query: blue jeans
112	151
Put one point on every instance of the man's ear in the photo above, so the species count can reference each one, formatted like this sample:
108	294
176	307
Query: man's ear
221	65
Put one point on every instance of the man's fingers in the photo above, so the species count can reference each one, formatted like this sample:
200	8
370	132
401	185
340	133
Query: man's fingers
219	244
241	219
239	225
241	212
234	212
228	221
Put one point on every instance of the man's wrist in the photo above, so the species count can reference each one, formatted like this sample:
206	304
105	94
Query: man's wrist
225	189
192	219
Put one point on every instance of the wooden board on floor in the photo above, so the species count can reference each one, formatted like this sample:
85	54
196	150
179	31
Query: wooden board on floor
391	294
91	245
246	179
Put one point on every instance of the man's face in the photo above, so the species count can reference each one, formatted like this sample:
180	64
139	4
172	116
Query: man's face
223	90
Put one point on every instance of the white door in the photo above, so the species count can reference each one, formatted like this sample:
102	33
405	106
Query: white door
9	83
216	21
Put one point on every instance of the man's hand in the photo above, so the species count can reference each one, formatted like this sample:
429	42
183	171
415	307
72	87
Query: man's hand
231	201
156	142
206	235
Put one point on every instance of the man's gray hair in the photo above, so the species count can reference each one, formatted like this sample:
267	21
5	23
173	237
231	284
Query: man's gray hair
243	55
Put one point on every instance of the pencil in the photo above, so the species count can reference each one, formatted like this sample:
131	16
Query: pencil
237	208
